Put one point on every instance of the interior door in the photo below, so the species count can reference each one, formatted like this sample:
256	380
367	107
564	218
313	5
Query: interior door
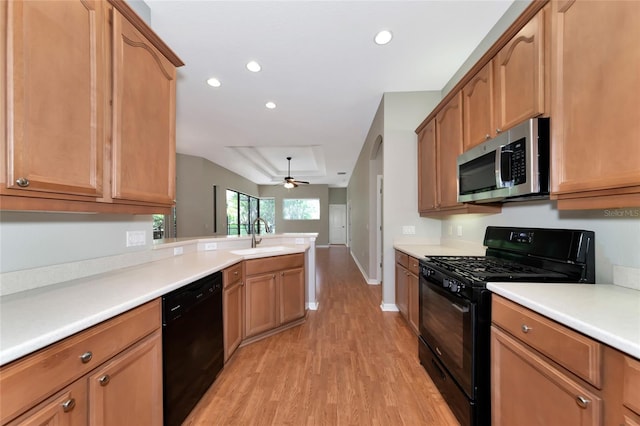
337	224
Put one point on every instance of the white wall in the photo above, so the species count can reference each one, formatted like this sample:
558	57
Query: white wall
32	239
617	237
403	112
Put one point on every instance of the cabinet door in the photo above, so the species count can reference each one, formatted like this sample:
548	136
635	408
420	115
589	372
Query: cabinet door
402	290
144	88
232	308
449	146
260	304
55	98
66	408
596	118
527	390
427	192
128	389
291	295
477	100
519	75
414	301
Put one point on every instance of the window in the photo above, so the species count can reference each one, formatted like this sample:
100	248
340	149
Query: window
301	208
243	209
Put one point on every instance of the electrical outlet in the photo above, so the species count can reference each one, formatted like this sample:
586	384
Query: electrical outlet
211	246
136	238
459	231
409	230
177	251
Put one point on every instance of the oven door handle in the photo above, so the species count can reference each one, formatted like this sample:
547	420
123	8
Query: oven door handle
463	309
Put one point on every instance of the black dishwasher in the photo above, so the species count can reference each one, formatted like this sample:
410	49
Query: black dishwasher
192	344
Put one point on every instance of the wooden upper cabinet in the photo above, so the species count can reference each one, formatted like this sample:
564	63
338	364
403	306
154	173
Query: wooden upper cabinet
477	100
88	109
519	74
427	168
595	124
55	97
448	147
144	88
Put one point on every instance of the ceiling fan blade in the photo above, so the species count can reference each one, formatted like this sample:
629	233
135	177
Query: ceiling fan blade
302	181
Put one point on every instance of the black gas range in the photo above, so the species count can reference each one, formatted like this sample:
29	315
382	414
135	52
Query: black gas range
455	306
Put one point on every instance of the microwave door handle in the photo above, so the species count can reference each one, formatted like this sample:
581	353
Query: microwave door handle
503	167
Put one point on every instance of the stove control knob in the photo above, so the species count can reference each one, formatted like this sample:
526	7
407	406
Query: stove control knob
454	286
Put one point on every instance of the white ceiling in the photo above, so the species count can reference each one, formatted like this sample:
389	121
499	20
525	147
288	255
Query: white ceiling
319	65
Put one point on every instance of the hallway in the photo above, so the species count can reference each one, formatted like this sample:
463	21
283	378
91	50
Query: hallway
348	364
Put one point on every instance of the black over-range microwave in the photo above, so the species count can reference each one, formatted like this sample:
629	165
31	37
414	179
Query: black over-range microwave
510	167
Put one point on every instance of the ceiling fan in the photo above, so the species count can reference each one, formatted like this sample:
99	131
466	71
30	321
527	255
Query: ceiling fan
290	182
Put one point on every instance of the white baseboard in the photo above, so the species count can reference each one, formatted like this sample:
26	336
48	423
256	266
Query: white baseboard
389	307
312	306
370	281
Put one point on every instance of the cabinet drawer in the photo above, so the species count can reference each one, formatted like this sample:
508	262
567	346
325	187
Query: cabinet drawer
274	263
37	376
413	265
232	275
402	258
572	350
631	392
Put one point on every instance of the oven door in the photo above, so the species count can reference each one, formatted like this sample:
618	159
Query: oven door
446	322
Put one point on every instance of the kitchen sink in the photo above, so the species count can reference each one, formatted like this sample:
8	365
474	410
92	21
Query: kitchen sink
258	250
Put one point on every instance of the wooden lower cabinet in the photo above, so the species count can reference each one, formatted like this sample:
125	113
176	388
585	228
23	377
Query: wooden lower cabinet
544	373
260	303
527	390
414	302
407	288
233	309
274	292
109	374
291	295
66	408
129	387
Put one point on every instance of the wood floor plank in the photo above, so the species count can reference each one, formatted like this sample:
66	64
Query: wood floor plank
348	364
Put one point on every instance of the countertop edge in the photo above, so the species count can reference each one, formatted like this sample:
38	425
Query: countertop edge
605	335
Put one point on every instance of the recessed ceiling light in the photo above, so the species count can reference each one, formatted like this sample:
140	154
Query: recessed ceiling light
383	37
270	105
213	82
253	66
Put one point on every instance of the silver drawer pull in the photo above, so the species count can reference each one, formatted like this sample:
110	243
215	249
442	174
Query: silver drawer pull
86	357
68	405
22	182
582	401
104	380
525	328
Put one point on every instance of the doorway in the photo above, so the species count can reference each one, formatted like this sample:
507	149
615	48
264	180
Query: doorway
337	224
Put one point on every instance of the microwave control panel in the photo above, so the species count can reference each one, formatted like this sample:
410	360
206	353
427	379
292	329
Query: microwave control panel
518	161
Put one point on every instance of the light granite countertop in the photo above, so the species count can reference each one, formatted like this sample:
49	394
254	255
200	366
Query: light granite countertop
607	313
33	319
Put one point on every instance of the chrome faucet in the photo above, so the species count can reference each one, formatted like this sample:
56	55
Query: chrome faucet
255	242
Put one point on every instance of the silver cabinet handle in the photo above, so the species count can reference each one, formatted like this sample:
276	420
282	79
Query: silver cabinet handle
22	182
498	130
86	357
104	380
241	282
525	328
68	405
487	136
235	273
582	401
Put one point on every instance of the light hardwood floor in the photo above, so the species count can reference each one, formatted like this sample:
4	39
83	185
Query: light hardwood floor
348	364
